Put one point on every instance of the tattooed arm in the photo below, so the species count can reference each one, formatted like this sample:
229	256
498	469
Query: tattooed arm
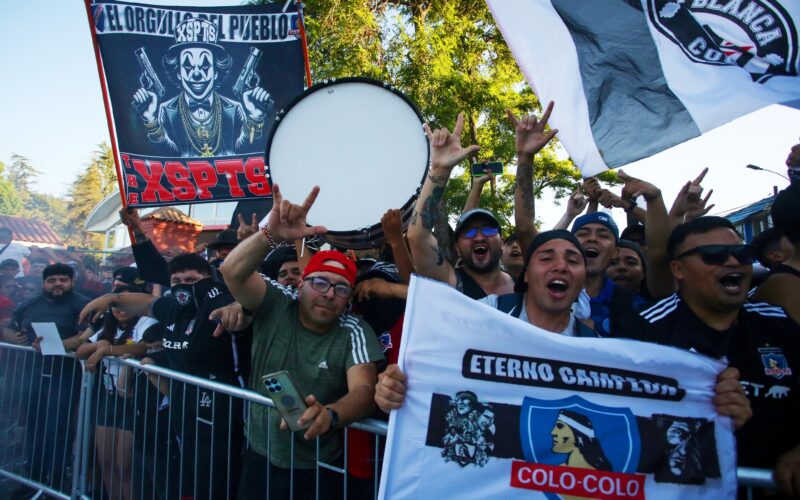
446	153
530	139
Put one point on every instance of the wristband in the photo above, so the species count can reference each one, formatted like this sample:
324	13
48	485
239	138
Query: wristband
334	420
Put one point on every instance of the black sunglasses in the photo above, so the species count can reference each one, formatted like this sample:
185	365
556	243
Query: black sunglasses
717	255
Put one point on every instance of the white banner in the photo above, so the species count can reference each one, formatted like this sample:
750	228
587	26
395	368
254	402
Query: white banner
497	408
650	75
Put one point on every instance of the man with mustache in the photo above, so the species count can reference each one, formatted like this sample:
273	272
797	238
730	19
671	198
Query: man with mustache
710	315
479	242
329	353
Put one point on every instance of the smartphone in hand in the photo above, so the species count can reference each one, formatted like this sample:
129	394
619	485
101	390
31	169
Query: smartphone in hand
288	400
496	167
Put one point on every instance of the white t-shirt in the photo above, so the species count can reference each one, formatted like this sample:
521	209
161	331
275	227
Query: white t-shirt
16	251
569	331
112	370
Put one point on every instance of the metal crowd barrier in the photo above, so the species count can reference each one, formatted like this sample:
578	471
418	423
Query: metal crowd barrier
69	433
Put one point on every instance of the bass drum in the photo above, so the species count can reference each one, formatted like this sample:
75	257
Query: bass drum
363	143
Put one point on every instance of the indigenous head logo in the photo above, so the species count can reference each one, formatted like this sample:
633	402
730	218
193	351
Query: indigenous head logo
469	432
386	341
573	432
755	35
774	361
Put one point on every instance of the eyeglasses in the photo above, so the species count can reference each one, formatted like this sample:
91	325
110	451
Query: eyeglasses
486	231
322	285
717	255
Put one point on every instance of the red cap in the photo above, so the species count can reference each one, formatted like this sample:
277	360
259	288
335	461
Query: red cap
317	263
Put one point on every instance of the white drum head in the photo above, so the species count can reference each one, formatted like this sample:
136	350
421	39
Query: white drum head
362	143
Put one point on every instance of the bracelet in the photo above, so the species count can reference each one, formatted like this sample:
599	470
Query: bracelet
631	207
270	241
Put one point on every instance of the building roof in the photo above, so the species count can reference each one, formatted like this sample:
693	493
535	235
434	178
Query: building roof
744	213
171	214
31	231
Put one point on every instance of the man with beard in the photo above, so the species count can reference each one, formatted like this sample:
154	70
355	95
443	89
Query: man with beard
60	304
480	246
478	232
57	304
189	345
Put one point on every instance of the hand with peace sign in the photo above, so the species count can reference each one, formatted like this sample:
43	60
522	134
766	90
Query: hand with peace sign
530	134
287	221
446	149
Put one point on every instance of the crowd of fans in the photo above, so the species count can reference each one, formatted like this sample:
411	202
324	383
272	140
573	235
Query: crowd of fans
263	299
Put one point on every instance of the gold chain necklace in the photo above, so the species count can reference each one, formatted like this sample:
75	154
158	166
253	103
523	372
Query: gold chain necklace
200	134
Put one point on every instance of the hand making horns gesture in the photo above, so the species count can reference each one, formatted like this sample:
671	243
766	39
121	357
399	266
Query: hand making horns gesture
287	221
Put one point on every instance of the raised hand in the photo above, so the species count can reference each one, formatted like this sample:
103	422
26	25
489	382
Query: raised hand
611	200
392	225
591	187
576	203
446	149
130	218
634	188
246	230
287	221
530	134
483	179
688	204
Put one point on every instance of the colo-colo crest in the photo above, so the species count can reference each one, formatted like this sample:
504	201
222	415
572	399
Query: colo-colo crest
756	35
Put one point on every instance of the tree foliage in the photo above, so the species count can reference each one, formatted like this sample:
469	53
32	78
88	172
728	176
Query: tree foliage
10	201
65	216
448	57
97	180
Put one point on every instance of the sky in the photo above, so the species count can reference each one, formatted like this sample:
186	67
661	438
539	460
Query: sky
54	116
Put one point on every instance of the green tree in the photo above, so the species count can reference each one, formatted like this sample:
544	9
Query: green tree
96	181
104	158
10	202
22	175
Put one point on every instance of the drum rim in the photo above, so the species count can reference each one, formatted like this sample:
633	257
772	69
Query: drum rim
350	79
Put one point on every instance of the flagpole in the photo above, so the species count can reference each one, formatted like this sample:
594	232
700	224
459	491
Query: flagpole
107	104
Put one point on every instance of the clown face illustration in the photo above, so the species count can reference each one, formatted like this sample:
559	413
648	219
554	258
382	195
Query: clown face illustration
197	73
